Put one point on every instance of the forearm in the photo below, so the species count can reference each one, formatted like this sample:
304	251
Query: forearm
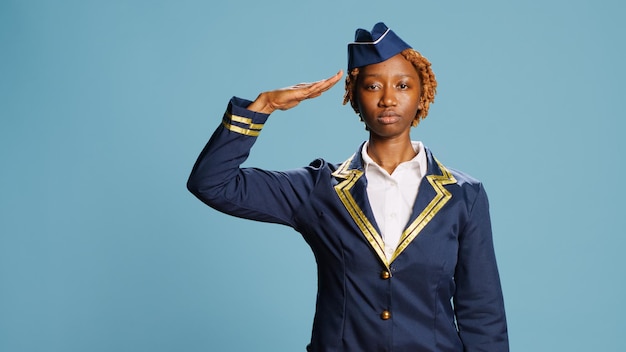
218	180
262	104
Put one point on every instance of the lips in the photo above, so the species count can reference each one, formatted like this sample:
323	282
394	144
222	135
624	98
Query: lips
388	117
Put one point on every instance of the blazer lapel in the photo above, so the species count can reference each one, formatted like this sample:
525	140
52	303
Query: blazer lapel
352	192
431	197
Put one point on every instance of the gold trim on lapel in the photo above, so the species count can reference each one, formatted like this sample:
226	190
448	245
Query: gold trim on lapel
442	196
351	176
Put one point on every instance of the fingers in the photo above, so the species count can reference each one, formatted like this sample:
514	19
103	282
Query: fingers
315	89
323	84
331	81
327	83
287	98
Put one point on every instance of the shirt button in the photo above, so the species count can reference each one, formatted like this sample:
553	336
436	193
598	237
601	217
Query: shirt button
385	315
385	274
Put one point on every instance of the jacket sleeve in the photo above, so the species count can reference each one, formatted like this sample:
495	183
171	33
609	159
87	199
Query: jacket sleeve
478	302
218	180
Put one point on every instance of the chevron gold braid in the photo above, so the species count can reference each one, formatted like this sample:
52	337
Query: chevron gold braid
342	170
366	227
442	196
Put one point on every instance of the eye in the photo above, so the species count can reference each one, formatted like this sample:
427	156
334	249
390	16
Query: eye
403	86
373	86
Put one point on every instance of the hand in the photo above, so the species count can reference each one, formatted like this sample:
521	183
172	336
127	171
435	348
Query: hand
287	98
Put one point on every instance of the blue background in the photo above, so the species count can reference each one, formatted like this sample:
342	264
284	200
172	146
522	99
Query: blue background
105	105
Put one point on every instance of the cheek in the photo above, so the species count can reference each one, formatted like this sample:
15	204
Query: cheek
412	101
363	104
356	100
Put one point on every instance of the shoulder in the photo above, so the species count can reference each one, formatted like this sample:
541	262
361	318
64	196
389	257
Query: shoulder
464	179
354	162
436	167
462	183
321	167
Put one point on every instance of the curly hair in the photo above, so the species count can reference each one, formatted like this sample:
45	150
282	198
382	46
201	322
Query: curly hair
427	79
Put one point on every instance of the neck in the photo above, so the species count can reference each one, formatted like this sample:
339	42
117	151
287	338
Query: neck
390	153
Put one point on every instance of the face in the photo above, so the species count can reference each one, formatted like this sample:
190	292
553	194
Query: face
388	97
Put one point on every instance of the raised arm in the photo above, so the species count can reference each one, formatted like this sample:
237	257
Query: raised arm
217	178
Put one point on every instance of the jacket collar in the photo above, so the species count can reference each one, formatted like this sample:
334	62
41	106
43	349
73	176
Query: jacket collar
432	196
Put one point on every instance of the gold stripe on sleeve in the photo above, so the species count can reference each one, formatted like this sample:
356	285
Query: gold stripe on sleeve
247	121
248	128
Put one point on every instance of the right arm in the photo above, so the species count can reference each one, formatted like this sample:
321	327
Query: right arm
217	178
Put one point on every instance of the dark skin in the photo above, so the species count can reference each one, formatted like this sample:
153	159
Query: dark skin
388	95
388	99
287	98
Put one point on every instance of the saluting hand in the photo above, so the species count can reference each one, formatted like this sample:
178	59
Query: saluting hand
287	98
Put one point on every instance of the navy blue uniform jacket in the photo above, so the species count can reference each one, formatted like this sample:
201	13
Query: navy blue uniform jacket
440	291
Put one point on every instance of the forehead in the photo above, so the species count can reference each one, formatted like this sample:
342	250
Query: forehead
397	65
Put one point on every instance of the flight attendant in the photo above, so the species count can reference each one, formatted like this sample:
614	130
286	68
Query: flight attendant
403	243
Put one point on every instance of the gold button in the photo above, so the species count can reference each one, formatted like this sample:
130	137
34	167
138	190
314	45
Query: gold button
385	275
385	315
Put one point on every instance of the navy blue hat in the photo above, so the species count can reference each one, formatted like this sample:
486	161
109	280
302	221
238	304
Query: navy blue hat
371	48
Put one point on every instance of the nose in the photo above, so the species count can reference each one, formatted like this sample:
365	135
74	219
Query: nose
387	98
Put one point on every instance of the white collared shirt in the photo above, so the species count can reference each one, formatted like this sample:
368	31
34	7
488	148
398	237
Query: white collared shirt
392	196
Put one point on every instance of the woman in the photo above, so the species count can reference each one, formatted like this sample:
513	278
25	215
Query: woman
403	244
